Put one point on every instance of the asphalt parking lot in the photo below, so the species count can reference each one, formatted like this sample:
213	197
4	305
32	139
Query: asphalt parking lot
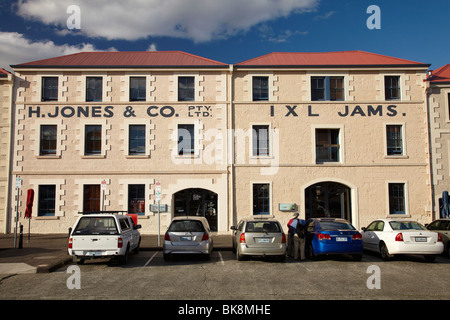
148	276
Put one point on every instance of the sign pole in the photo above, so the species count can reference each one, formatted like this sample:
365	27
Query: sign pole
18	186
158	198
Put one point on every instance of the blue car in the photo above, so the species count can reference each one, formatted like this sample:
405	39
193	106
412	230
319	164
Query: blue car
332	236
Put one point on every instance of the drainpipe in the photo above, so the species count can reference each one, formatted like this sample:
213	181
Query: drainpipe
230	153
428	91
11	80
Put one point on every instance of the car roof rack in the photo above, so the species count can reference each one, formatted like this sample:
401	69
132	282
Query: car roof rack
103	212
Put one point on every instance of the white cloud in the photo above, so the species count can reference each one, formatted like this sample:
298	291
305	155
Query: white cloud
16	49
199	20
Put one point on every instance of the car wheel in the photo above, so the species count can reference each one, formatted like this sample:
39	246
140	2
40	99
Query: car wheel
124	259
384	252
239	256
357	257
136	250
166	256
311	254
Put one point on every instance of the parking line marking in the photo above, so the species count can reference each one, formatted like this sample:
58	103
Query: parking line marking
221	258
150	260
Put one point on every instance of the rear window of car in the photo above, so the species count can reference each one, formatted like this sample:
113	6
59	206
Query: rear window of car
96	226
406	225
262	226
186	226
335	225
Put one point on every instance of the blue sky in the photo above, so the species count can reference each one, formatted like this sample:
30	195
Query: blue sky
228	31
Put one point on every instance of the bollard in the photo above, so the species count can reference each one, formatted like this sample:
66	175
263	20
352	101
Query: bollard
20	236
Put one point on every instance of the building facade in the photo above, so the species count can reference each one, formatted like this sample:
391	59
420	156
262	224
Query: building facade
140	132
340	134
438	95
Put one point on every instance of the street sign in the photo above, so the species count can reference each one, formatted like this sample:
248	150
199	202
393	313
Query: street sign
104	185
18	182
158	191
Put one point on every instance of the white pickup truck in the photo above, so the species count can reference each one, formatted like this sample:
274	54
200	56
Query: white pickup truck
107	234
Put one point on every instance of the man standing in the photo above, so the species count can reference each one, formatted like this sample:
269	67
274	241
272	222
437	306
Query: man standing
292	229
299	240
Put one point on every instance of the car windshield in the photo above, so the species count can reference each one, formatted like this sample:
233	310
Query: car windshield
406	225
262	226
96	226
335	225
186	226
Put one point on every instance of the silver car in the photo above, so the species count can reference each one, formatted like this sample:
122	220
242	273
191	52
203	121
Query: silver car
259	237
188	235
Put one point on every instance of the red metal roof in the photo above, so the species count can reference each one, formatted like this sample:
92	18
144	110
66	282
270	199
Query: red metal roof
125	59
4	73
441	74
315	59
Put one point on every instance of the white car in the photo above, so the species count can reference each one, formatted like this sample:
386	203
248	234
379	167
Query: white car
106	234
390	237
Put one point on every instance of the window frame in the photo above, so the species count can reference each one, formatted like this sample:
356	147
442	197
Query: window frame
140	197
46	203
92	198
391	199
140	140
328	145
269	199
46	88
95	91
327	91
258	89
392	153
86	141
45	152
183	126
185	90
141	92
256	139
389	87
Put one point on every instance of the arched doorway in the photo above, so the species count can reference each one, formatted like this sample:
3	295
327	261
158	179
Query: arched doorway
197	202
328	199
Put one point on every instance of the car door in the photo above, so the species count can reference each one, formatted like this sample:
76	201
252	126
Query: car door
126	232
371	236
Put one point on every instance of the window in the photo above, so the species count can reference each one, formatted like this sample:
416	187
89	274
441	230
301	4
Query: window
260	88
392	87
186	89
397	198
260	140
136	198
327	88
46	200
94	89
327	145
49	89
136	143
47	140
394	140
261	198
186	139
93	140
91	199
137	89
